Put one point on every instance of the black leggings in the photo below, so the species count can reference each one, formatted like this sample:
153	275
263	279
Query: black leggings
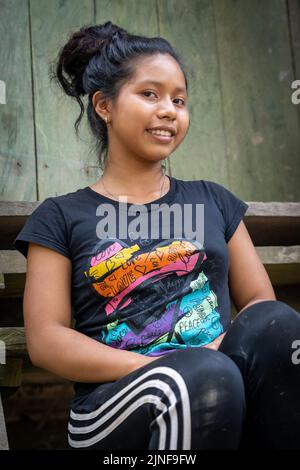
245	395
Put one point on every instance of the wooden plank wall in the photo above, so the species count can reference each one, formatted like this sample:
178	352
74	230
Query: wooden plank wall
241	58
18	176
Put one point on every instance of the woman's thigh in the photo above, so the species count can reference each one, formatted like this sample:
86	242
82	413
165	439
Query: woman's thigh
188	399
262	336
260	341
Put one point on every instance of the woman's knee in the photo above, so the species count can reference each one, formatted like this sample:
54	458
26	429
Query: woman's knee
211	377
266	329
268	316
223	381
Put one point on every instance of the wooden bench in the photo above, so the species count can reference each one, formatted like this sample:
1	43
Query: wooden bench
273	226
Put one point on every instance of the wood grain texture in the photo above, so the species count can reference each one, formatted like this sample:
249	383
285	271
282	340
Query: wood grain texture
17	148
3	432
261	123
11	373
240	57
15	341
62	158
293	7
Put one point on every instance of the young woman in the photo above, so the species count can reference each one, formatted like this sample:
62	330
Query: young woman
157	362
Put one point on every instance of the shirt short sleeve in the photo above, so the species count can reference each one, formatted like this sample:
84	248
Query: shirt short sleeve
46	226
232	208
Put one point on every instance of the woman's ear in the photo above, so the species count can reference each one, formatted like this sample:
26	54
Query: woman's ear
101	105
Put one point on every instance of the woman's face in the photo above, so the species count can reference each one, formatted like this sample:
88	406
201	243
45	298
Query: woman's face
143	105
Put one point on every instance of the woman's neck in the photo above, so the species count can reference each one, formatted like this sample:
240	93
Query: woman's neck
140	188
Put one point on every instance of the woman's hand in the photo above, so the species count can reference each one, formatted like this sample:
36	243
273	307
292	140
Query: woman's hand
215	344
142	360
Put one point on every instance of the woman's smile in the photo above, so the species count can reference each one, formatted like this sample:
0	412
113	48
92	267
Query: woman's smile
159	138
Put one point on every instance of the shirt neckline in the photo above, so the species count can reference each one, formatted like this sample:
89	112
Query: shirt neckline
168	197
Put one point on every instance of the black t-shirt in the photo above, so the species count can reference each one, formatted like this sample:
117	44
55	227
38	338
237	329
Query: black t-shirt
149	292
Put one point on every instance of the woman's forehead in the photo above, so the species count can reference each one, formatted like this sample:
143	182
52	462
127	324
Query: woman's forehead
160	70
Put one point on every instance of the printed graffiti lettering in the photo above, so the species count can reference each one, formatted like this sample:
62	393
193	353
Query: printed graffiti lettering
126	281
189	324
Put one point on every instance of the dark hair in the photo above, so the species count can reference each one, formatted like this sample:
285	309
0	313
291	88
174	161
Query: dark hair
103	57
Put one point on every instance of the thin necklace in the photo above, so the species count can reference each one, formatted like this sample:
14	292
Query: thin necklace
117	197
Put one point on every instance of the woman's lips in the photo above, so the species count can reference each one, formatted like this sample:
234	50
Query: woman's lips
164	139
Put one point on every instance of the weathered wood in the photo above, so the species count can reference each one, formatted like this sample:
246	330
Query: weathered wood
40	402
276	231
240	135
289	294
11	311
282	263
294	19
34	375
14	339
261	125
12	262
273	223
279	254
13	209
274	209
11	372
3	432
13	216
9	228
14	286
17	146
283	274
2	282
70	166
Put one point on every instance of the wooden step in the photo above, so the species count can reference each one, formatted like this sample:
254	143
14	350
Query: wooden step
269	223
15	342
13	216
273	223
282	263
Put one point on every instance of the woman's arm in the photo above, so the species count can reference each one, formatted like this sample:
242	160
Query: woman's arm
52	343
248	280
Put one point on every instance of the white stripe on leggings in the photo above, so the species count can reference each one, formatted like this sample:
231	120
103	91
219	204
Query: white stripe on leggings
186	413
141	401
150	383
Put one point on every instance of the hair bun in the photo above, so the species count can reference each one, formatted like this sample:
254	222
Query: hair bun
78	51
111	30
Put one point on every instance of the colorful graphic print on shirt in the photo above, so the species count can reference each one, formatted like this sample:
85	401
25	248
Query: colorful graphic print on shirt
156	298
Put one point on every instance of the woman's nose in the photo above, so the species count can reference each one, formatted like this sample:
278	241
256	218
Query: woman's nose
167	109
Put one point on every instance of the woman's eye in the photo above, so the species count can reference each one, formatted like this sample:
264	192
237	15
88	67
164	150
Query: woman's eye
149	92
183	102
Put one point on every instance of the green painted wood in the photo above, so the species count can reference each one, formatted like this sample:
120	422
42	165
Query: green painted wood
244	130
190	28
294	20
63	161
261	123
3	433
17	152
138	17
294	24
